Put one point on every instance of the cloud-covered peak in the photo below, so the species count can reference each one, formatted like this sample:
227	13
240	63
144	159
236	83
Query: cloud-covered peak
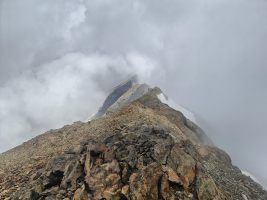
59	60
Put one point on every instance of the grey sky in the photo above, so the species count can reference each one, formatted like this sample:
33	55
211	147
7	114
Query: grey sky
58	59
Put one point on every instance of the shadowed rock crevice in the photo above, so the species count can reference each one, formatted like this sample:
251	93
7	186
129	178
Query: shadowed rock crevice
53	179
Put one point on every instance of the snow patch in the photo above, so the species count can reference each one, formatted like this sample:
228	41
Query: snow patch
251	176
189	115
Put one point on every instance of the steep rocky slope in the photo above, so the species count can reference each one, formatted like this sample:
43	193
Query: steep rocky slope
137	148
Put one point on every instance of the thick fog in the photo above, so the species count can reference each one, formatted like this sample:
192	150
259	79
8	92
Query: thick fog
59	59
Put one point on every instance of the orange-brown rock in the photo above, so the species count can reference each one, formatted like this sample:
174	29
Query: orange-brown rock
184	165
207	189
81	194
172	175
144	185
144	150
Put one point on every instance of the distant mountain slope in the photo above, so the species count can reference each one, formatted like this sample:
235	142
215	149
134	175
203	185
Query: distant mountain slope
138	148
117	92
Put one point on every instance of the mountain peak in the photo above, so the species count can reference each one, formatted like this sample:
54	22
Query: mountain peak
118	96
138	147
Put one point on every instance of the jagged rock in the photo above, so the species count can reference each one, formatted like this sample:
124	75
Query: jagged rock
52	178
103	174
172	175
33	195
144	184
81	194
73	175
87	163
207	189
139	150
184	165
125	191
165	190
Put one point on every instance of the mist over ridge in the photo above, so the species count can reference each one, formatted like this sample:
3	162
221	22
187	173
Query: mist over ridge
59	60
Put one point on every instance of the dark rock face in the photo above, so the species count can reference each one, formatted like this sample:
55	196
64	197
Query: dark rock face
116	94
144	164
136	163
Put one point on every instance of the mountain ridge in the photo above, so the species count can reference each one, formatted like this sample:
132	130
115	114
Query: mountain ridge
140	149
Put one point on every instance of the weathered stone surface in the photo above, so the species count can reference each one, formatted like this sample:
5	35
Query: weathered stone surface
81	194
125	191
144	151
184	165
207	189
73	175
165	190
144	185
172	175
102	173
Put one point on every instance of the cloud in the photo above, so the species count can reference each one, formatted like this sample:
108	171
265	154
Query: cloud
61	91
59	58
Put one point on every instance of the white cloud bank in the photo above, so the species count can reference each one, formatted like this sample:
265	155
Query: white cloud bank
62	91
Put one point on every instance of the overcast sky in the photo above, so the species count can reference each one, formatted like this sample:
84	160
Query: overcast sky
59	58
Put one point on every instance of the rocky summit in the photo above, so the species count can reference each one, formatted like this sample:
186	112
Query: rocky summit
135	148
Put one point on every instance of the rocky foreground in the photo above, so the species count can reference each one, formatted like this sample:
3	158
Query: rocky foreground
138	148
